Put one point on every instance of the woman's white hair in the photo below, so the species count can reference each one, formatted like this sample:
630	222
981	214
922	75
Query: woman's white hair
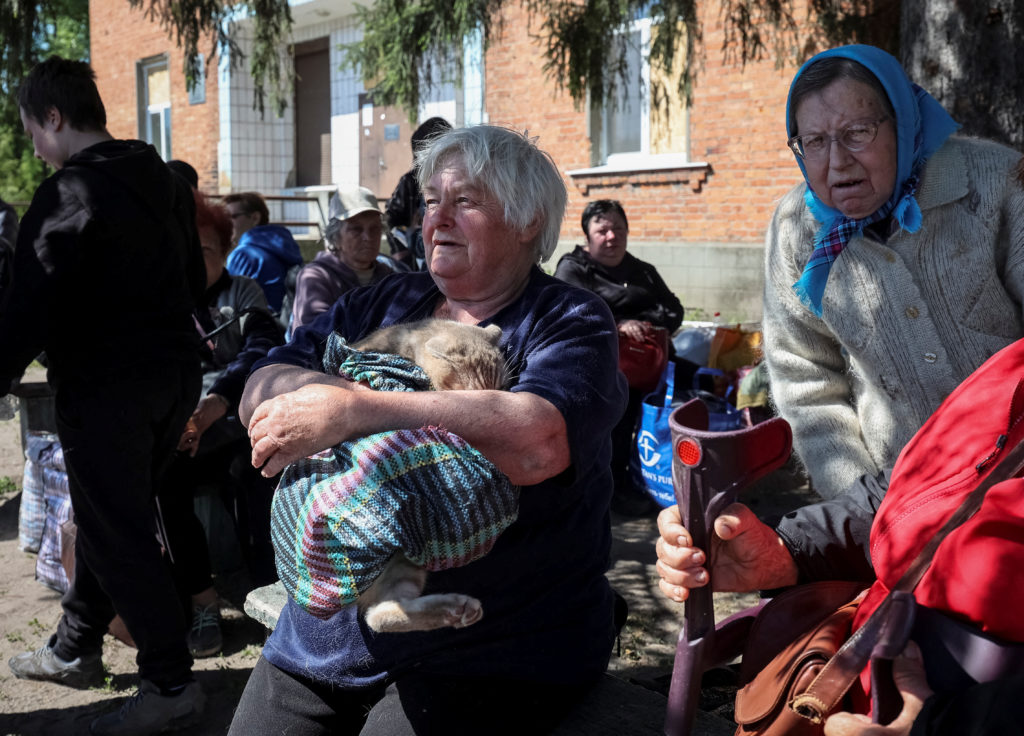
523	178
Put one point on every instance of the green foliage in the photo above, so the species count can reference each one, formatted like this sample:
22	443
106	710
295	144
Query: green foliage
408	46
7	485
412	45
578	36
582	43
193	21
66	28
751	26
20	171
32	32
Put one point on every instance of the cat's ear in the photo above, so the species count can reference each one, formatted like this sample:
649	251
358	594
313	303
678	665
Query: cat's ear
493	333
436	346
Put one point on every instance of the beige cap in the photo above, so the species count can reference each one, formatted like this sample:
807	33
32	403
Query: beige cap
346	203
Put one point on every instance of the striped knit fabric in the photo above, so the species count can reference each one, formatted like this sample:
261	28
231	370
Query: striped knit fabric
340	515
382	371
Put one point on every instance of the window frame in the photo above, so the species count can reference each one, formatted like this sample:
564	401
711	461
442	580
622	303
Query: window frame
618	159
642	159
147	111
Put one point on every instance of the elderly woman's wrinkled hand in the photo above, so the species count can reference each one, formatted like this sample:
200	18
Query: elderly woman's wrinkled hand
908	673
210	408
297	424
748	555
633	328
189	440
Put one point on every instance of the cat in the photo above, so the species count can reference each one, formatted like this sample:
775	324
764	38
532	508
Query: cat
454	356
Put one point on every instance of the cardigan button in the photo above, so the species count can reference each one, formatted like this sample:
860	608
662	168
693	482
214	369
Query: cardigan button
930	357
912	312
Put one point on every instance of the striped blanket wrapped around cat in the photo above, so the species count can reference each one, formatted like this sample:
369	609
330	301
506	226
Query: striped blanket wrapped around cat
362	522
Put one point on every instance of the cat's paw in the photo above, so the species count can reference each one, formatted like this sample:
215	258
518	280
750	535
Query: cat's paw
466	613
424	614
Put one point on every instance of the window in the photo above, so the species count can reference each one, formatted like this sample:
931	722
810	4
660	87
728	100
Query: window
154	95
628	131
197	94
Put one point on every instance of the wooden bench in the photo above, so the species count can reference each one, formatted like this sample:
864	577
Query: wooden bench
615	707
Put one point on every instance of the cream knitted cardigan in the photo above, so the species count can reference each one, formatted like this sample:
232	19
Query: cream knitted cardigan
902	323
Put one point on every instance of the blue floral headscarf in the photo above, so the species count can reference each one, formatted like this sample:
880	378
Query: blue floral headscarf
922	125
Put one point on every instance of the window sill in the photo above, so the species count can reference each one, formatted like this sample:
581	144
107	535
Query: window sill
664	169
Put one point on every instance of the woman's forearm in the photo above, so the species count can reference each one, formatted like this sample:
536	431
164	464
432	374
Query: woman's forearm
274	380
521	433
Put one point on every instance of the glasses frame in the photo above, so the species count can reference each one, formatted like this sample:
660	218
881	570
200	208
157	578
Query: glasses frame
794	142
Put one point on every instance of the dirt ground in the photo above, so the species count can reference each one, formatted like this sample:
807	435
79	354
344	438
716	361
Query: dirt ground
29	613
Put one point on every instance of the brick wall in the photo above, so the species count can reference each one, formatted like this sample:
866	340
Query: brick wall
702	228
120	37
701	225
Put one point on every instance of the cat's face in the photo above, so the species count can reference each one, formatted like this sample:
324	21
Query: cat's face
465	357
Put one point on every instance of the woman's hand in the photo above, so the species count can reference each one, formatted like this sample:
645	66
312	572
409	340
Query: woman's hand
908	672
210	408
298	424
748	555
633	328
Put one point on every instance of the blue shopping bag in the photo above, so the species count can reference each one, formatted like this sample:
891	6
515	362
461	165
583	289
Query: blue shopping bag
652	455
651	458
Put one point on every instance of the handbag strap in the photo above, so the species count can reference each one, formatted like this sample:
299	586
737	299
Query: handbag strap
670	381
843	669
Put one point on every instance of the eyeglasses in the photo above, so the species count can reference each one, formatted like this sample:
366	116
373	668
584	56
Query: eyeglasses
854	138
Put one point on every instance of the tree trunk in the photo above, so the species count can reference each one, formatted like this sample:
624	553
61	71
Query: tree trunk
969	54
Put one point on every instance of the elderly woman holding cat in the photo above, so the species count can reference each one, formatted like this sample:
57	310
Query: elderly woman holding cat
892	273
494	206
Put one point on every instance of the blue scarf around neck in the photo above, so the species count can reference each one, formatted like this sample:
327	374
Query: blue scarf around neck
922	126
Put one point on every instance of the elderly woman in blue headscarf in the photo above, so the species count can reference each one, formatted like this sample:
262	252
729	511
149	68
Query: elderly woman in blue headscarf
892	272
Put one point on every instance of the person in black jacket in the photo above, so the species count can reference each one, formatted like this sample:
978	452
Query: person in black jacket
639	299
107	271
8	236
405	205
238	329
403	213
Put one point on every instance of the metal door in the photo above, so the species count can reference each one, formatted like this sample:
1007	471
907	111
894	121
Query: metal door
385	152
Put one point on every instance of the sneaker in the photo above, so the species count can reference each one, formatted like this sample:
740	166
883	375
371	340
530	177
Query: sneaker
150	712
204	638
44	664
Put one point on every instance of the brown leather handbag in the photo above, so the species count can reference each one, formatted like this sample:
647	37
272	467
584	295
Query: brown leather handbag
809	680
816	620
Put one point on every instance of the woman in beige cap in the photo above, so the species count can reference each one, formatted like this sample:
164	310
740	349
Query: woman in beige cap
352	244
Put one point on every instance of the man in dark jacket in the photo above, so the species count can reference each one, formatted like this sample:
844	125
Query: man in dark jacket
8	236
107	270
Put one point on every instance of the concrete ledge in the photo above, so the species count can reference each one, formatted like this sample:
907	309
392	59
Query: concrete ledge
614	707
265	604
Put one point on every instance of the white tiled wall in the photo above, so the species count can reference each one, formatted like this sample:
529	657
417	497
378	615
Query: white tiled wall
473	81
255	153
258	154
346	86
